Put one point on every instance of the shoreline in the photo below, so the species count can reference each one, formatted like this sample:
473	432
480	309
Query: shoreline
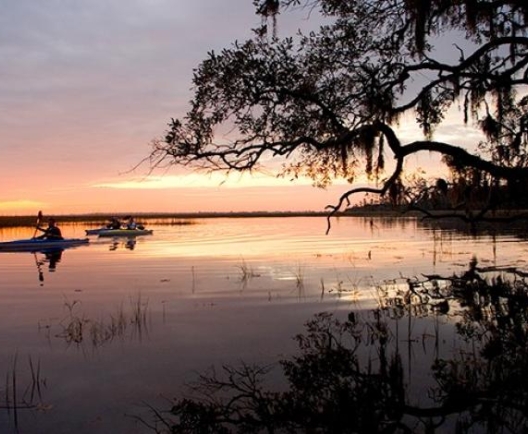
184	218
187	217
31	220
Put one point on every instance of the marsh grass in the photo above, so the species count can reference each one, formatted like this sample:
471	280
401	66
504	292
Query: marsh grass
193	282
157	218
23	389
171	222
344	286
299	280
97	220
246	273
131	322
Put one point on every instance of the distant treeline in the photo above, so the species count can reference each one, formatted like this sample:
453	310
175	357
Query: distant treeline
13	221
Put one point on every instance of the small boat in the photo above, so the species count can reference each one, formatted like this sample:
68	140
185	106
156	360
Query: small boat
95	231
38	245
106	232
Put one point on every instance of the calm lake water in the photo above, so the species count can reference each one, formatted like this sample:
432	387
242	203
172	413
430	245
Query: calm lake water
90	339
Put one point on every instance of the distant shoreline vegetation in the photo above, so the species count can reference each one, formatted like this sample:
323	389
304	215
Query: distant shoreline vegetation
152	217
167	218
183	218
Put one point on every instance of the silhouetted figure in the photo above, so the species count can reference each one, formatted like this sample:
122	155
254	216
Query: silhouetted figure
114	223
131	224
52	232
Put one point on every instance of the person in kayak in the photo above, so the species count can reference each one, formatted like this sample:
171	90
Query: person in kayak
52	232
114	223
131	224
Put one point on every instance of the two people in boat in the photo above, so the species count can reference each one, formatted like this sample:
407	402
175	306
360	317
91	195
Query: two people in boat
52	232
129	223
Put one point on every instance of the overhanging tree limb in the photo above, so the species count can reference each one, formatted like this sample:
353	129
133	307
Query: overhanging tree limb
327	104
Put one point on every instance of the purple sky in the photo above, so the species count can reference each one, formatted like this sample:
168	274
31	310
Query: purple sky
86	85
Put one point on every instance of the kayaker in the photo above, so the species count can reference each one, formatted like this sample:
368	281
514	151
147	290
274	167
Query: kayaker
114	223
131	223
52	232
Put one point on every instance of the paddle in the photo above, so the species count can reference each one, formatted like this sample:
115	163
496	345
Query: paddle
39	218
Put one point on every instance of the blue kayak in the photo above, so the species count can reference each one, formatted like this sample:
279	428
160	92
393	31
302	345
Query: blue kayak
36	245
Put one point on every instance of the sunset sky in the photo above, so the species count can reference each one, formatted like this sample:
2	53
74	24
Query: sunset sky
85	85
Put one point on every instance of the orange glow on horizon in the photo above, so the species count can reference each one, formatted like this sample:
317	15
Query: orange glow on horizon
79	189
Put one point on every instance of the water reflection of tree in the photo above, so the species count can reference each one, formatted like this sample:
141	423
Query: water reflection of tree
493	380
514	227
335	386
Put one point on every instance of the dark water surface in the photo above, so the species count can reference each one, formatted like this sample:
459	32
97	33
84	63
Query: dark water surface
89	339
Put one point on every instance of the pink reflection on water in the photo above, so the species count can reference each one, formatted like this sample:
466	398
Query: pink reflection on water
218	291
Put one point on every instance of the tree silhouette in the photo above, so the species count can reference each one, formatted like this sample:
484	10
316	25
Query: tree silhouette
327	104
